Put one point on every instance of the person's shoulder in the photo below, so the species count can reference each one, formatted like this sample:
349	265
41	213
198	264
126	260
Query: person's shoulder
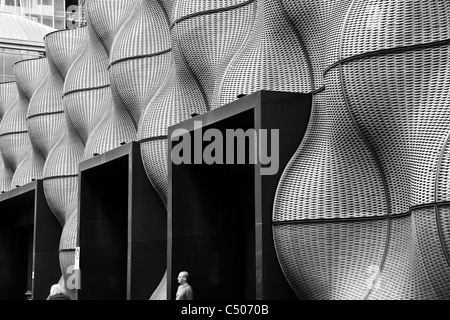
60	296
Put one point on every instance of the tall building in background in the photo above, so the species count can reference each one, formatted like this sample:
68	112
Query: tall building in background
20	39
51	13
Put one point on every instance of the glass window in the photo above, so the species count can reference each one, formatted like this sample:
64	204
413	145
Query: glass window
48	21
11	7
29	6
60	23
47	7
10	59
60	8
36	18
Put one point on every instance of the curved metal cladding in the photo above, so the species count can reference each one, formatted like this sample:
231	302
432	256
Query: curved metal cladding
5	177
62	160
8	94
317	24
210	34
87	94
61	166
273	57
140	57
61	191
168	6
180	96
160	292
361	212
45	118
87	98
14	138
332	176
105	17
23	159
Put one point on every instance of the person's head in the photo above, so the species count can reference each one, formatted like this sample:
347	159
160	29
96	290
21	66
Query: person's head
183	277
57	289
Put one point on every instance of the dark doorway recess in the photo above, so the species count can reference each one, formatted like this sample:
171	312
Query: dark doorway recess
29	241
122	228
220	215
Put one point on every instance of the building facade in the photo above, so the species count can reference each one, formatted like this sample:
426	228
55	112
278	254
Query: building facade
20	39
360	208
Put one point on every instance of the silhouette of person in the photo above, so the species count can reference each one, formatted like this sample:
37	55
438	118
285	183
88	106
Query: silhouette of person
184	291
57	292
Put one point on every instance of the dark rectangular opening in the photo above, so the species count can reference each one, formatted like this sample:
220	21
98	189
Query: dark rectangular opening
16	249
122	228
220	215
103	228
213	235
29	239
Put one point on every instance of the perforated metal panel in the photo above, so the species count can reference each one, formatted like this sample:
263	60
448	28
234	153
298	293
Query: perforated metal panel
390	120
19	152
360	211
61	166
8	94
272	58
115	124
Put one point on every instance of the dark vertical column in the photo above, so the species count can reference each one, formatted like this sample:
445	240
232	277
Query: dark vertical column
103	229
147	216
289	113
16	231
7	272
170	197
47	233
30	274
